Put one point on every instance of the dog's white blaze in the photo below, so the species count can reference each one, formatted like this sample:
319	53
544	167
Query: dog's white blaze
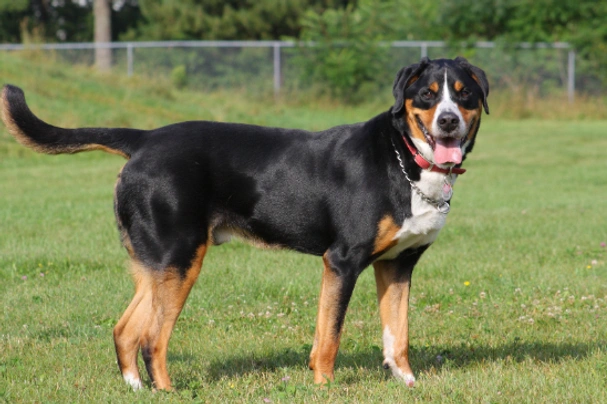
446	104
426	221
132	381
388	340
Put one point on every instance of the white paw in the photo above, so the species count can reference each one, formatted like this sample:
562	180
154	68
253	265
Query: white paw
133	381
407	378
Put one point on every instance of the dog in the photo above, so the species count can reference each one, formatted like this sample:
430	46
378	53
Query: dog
372	193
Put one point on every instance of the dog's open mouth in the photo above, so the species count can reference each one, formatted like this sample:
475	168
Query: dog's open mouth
447	150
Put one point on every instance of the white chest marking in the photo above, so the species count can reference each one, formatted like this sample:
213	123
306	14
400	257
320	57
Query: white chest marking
426	221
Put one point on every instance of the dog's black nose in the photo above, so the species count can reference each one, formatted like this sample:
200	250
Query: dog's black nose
448	121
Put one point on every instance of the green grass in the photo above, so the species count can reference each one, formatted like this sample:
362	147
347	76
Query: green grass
509	305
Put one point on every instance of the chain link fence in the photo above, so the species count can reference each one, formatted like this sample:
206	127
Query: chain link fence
544	69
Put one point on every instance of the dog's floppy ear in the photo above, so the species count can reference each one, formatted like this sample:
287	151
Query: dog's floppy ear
479	76
404	78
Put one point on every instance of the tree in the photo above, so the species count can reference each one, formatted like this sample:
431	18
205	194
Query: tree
224	19
103	34
12	13
61	21
346	56
580	22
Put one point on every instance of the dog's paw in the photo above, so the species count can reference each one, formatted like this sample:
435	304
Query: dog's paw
407	378
133	381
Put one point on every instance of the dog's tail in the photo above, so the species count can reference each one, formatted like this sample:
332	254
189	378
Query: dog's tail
44	138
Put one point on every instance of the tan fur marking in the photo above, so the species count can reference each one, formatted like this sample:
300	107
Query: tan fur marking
470	115
425	116
128	329
106	149
14	130
385	310
326	343
412	122
386	231
393	297
434	87
411	81
473	129
149	320
476	79
458	85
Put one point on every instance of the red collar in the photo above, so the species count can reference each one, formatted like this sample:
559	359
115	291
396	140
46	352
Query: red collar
426	165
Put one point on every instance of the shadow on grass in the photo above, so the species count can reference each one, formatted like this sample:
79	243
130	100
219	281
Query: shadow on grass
516	351
422	360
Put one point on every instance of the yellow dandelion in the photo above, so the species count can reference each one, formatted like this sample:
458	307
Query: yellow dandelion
467	283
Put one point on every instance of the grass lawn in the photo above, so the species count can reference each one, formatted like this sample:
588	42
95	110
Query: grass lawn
509	305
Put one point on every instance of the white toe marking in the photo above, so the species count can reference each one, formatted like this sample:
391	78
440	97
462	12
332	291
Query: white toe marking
133	381
409	380
388	340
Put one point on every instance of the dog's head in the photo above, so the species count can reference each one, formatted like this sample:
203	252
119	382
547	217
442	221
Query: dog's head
440	104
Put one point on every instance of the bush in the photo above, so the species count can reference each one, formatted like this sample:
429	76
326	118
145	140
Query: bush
179	76
346	58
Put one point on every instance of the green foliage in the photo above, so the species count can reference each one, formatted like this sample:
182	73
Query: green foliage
13	5
179	76
346	57
225	20
328	22
11	15
581	22
61	21
414	20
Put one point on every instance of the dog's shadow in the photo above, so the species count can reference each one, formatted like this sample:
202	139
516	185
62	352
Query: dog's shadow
422	359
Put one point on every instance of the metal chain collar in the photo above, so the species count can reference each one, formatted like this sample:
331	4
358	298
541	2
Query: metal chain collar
441	205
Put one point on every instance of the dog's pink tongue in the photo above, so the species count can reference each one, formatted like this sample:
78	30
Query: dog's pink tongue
447	151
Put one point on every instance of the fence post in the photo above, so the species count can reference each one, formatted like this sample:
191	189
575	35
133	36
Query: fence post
129	59
277	73
571	76
424	50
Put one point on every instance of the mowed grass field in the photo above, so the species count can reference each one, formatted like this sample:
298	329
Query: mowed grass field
509	304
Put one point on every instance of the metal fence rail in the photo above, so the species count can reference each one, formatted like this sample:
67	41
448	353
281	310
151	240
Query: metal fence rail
279	60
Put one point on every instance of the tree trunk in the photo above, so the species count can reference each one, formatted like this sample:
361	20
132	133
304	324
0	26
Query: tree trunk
103	33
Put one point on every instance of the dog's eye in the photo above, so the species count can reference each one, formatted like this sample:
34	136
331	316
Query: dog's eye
427	94
464	93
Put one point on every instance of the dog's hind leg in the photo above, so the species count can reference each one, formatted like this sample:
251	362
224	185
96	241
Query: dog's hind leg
393	279
127	332
170	290
335	292
148	321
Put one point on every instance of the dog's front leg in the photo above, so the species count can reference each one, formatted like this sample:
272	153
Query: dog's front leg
393	280
338	282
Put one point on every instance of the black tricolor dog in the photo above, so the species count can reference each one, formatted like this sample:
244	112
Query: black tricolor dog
375	193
